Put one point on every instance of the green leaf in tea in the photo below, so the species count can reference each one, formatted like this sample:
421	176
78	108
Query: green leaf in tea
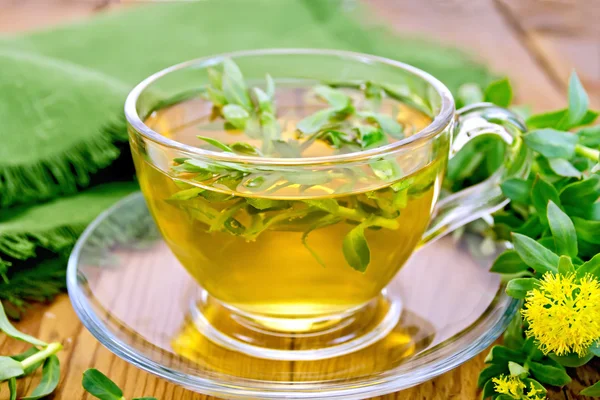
387	123
315	122
216	143
370	136
337	99
236	115
100	386
563	231
499	92
234	86
356	249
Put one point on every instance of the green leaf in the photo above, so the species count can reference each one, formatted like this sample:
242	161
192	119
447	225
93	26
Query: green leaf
329	205
554	118
595	349
261	203
386	170
236	115
589	136
586	191
572	360
578	101
551	143
314	122
513	336
562	167
356	249
215	78
216	143
27	353
264	101
98	385
534	254
469	93
502	355
9	368
590	267
593	391
234	86
336	98
491	371
388	124
245	148
216	97
499	92
327	220
531	349
541	193
287	149
12	388
8	329
270	86
519	287
517	190
370	136
551	375
187	194
49	381
271	131
563	231
587	230
508	262
488	390
565	265
517	370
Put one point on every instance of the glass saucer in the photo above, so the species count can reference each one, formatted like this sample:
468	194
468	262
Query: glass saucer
133	295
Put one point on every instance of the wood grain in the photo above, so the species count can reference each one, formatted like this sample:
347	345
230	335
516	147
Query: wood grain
535	43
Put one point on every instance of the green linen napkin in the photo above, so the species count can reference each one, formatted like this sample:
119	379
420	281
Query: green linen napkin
61	96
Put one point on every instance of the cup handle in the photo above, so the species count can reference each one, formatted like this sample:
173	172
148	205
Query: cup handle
486	197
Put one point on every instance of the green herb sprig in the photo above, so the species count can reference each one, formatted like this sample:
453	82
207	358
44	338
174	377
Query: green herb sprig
553	223
41	354
101	387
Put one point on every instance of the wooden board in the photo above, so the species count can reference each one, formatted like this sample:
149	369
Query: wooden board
507	34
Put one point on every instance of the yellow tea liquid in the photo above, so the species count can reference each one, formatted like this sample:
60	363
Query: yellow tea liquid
286	258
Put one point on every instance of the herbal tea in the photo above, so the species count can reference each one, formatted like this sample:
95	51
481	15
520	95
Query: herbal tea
290	243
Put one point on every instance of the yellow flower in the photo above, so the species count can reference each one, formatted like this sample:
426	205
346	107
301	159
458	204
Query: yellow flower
564	313
515	388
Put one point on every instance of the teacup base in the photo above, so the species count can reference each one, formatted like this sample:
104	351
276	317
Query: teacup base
295	339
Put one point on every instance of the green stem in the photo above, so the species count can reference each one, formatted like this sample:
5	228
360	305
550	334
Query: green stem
49	350
358	216
588	153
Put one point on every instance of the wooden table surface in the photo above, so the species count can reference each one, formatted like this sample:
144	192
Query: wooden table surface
535	42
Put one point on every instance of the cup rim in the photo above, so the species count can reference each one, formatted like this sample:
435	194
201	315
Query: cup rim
439	122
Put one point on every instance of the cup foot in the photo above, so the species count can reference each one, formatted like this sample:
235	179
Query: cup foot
295	339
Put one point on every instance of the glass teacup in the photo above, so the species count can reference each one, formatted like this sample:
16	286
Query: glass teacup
301	245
